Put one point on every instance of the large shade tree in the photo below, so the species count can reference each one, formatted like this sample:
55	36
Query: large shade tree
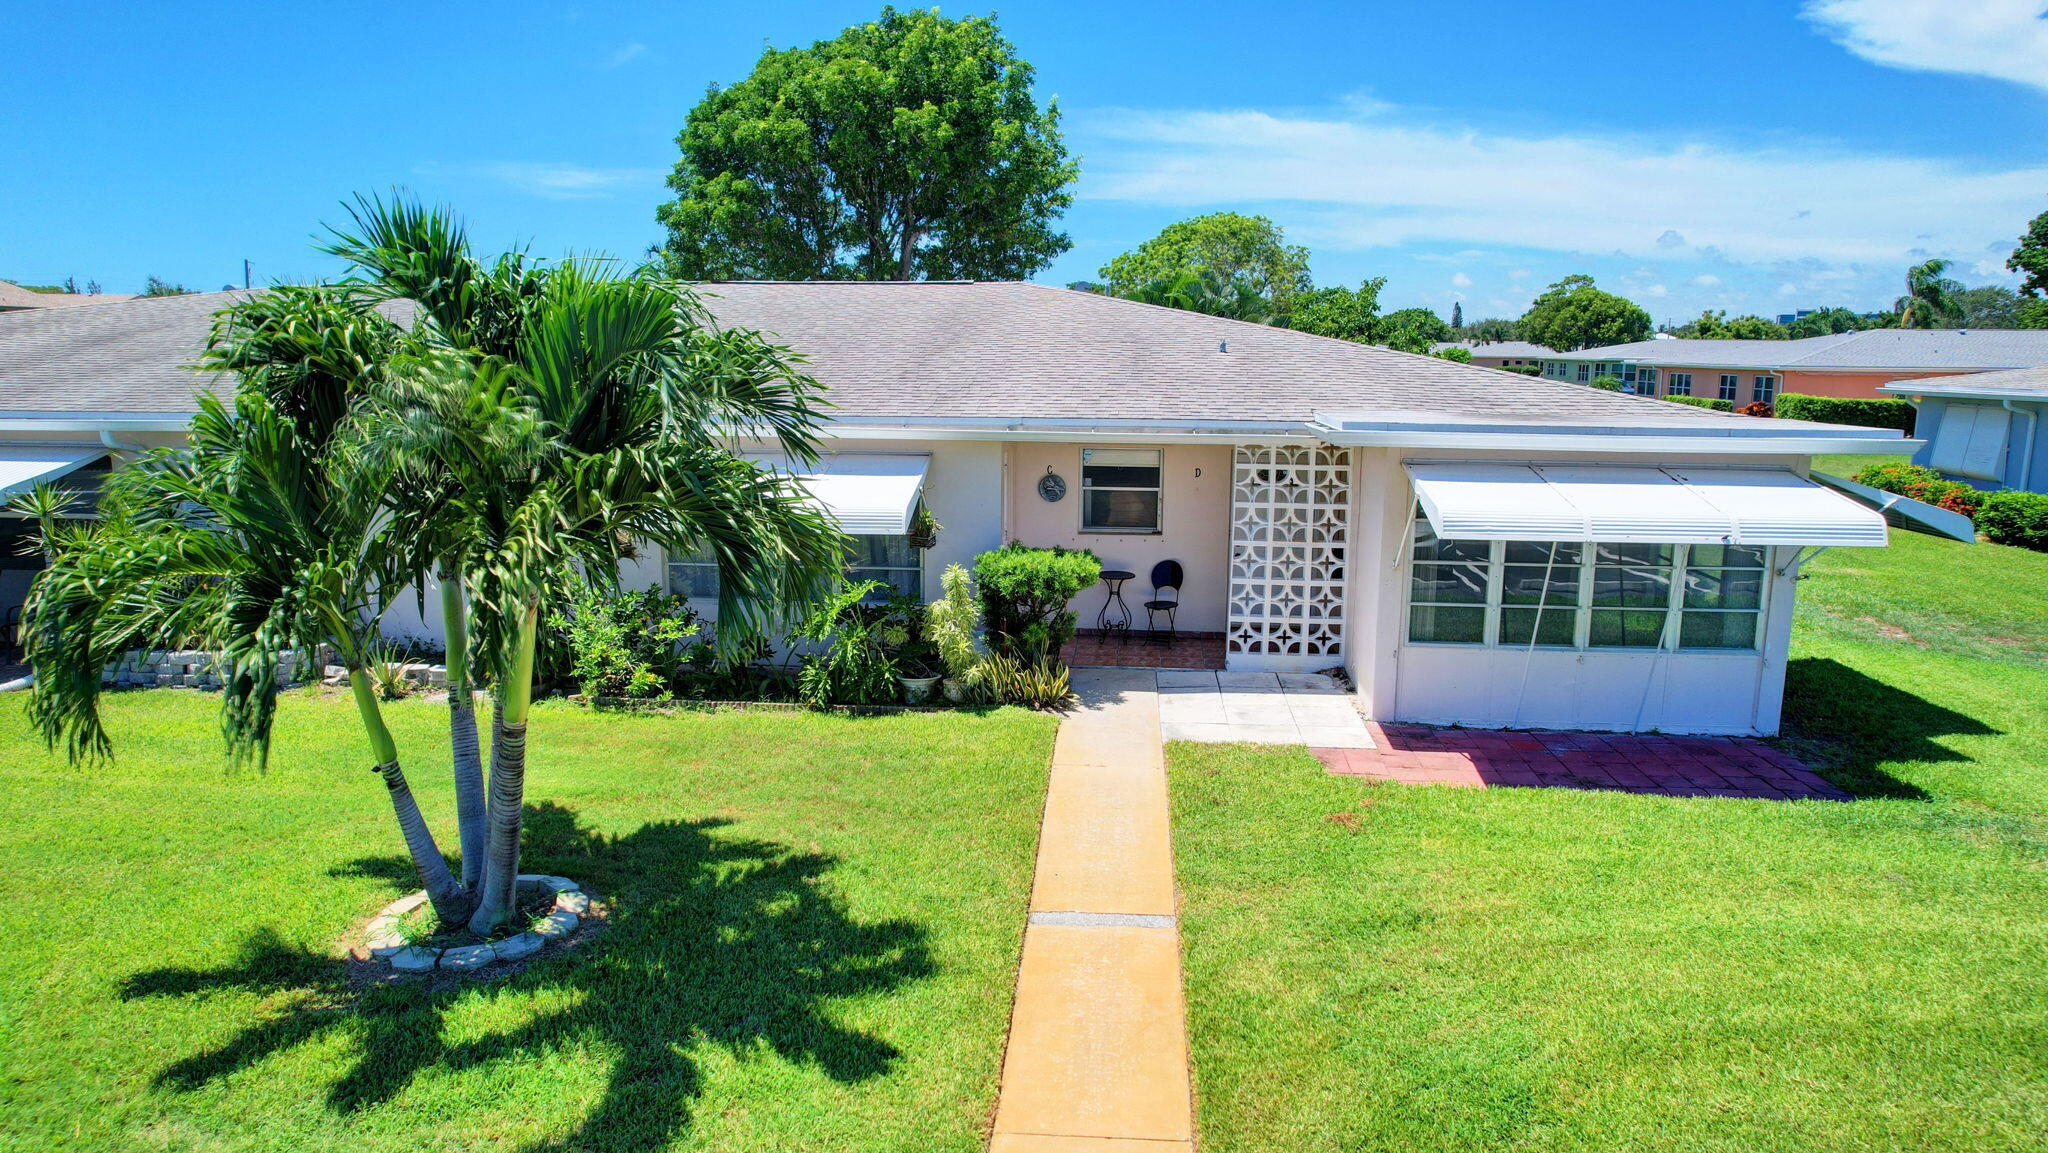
1251	250
1573	314
2030	258
906	148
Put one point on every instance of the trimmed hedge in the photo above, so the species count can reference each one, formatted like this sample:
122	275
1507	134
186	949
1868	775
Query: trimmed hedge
1886	413
1606	383
1704	402
2015	518
1923	484
1024	593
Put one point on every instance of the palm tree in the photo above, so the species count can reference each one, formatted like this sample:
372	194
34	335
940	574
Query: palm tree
1209	293
261	536
1930	300
568	413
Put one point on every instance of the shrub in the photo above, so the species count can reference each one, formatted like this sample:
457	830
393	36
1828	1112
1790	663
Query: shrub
1923	484
851	667
629	645
1461	355
1024	594
1524	369
951	622
1869	413
1040	683
1606	383
1715	403
1755	408
2015	518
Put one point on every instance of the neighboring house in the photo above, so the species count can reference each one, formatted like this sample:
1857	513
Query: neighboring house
13	296
1499	353
1470	546
1985	428
1852	364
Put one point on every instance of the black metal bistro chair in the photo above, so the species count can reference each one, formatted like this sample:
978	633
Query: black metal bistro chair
1166	577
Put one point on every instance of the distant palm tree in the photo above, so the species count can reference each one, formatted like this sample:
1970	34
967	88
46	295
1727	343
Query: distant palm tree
1209	293
1930	297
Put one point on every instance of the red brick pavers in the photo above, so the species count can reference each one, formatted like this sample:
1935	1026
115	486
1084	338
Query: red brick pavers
1090	649
1626	762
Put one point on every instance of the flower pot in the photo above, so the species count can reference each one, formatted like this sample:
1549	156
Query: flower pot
917	690
956	690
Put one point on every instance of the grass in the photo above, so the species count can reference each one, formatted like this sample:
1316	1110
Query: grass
1423	968
813	943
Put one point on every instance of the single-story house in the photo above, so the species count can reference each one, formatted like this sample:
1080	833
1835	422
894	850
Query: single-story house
1500	353
1985	428
1848	364
1471	546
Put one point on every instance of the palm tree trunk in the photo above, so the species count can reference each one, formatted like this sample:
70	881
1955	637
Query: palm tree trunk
470	809
435	878
508	780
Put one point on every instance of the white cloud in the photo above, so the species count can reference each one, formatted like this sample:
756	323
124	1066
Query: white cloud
1706	280
626	54
1461	280
1358	183
2002	39
1656	290
557	181
1518	274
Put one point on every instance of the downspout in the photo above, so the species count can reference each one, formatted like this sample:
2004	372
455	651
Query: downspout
2026	474
119	445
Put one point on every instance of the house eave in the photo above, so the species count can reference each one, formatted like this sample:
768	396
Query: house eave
31	421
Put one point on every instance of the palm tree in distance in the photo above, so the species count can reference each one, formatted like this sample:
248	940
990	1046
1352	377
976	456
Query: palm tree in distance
1930	297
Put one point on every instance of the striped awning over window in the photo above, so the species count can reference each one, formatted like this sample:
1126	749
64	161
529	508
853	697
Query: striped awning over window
1485	500
866	493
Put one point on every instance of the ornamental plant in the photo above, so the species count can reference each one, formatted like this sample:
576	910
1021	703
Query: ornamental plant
2015	518
1024	594
951	622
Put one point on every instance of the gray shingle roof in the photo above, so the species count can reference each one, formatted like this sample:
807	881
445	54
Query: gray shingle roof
908	351
1874	348
2030	383
1020	350
15	296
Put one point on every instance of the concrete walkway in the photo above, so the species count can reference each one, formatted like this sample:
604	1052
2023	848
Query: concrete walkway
1098	1053
1260	708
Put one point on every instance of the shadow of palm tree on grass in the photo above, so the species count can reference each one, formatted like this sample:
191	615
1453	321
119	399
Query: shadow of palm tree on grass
1867	723
735	942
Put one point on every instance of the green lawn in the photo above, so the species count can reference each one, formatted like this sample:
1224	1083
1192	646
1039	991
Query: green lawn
814	944
1529	970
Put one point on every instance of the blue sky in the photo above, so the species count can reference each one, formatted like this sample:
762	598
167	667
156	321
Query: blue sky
1747	156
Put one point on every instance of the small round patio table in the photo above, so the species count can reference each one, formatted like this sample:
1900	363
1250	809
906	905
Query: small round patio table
1115	616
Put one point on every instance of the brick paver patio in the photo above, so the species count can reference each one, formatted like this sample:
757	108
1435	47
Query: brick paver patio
1136	650
1670	766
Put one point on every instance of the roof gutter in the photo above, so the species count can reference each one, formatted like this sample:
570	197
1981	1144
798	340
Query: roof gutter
1093	431
95	422
1605	443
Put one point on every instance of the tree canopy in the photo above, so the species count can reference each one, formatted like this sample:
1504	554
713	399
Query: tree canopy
2031	258
1573	314
1930	300
907	148
1347	314
1407	327
1208	293
1251	249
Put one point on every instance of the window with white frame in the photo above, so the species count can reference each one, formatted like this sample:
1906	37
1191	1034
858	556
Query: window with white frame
888	559
1585	373
1120	489
1729	382
1646	382
1567	595
1678	384
1763	388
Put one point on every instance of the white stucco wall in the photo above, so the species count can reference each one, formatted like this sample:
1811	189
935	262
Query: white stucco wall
1194	514
1681	692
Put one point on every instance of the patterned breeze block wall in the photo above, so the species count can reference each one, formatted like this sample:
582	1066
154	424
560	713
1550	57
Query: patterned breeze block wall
1289	548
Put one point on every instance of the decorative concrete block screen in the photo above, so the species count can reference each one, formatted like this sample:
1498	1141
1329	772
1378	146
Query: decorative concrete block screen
1289	552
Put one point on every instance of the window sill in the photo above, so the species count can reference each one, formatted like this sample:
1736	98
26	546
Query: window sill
1121	532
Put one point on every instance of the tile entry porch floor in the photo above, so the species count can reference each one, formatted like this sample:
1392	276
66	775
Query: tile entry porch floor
1624	762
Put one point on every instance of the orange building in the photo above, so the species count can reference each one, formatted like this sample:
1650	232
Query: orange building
1847	364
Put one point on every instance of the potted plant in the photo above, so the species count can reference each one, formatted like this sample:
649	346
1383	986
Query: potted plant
924	529
951	622
900	632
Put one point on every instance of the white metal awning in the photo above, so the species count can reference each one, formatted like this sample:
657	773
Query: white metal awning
865	493
22	468
1483	500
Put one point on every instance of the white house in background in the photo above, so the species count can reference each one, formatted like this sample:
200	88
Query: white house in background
1985	428
1473	546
